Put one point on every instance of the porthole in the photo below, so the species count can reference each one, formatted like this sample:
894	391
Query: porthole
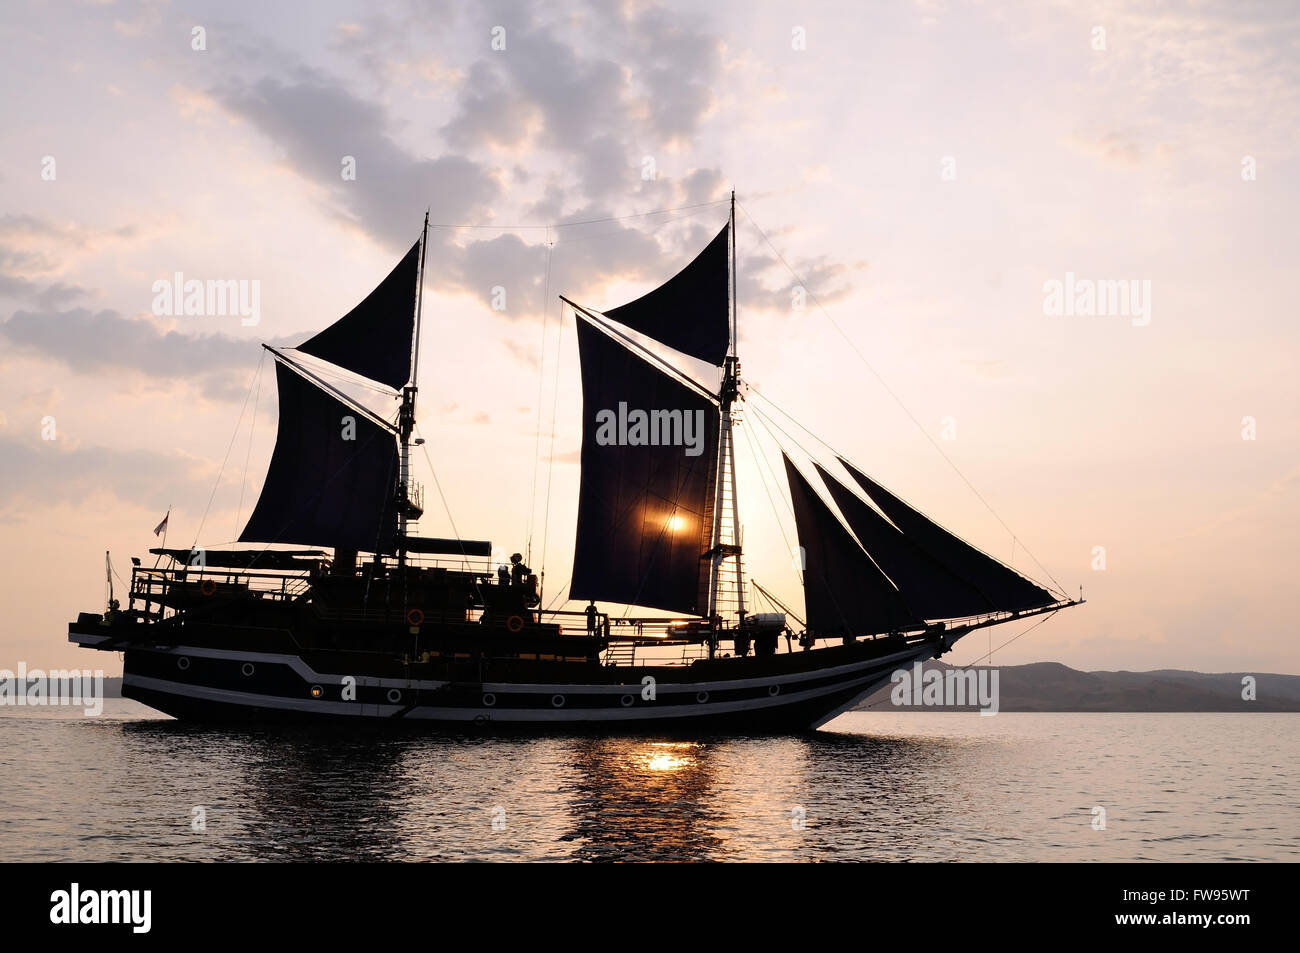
702	697
557	701
489	699
628	701
774	690
247	669
182	663
394	695
317	691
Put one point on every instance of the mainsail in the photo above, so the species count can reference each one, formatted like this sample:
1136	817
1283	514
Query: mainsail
374	339
690	311
845	593
332	475
1005	588
649	465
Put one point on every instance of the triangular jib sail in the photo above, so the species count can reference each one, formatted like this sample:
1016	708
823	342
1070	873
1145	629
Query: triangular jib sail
845	593
1002	586
929	587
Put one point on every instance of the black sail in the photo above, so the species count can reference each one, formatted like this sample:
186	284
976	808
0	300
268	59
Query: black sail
845	593
323	489
374	338
928	586
688	312
642	508
1002	585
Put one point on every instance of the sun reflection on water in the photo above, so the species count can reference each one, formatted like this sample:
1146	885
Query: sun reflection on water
668	756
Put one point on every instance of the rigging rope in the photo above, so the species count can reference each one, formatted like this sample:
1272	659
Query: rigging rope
442	496
541	380
762	477
563	590
990	654
898	400
340	375
229	447
243	477
550	465
1012	639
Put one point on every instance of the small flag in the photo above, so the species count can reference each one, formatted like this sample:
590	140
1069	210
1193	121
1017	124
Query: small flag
157	530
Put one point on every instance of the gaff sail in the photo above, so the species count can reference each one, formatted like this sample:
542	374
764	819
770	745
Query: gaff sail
332	475
649	465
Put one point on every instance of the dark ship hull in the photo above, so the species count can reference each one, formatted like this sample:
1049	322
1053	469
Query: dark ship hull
197	680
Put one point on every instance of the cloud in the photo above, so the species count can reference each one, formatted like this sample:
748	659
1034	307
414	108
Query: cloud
523	353
33	251
17	229
317	123
586	256
644	89
104	341
50	296
590	114
765	283
57	471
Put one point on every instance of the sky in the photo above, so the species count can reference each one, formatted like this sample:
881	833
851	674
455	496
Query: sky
925	171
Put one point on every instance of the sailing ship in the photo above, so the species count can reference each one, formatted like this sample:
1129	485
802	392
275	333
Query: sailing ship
372	621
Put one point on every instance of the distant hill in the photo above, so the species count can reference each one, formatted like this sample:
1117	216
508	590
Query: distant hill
1051	686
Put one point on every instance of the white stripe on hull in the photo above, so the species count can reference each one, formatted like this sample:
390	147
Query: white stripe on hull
310	675
876	674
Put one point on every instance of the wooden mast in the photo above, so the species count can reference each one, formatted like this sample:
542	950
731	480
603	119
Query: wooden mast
406	420
726	473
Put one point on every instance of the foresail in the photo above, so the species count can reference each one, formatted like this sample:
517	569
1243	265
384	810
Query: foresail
332	478
649	466
845	593
930	588
374	339
1005	588
690	311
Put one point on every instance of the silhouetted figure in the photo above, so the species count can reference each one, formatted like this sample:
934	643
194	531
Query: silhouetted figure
518	570
591	619
503	575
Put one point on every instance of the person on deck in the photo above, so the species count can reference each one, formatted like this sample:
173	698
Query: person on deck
591	618
518	570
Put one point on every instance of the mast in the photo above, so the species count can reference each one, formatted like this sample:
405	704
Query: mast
406	419
726	537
